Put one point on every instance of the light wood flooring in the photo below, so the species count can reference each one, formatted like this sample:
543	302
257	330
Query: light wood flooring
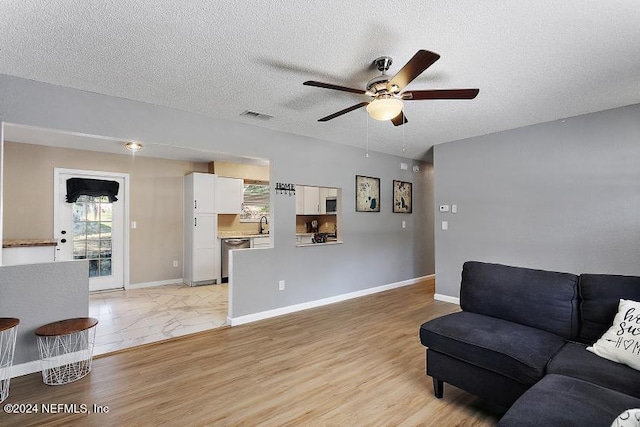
354	363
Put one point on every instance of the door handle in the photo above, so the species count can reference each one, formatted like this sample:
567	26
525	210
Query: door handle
195	222
195	204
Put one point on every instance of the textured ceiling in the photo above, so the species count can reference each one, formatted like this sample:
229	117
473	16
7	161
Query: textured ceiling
533	61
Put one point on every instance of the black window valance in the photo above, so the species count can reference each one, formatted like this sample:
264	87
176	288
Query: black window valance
77	187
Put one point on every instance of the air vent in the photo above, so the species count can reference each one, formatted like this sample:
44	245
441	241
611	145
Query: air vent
255	115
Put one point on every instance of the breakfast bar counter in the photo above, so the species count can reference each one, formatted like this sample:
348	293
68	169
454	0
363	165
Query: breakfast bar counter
28	251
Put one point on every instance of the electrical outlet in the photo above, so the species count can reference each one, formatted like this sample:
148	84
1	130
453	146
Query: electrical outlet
404	224
281	285
175	262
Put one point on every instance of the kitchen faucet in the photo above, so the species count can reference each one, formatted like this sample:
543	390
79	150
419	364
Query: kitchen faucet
260	227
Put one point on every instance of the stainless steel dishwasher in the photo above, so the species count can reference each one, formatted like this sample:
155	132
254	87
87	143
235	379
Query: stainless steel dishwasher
228	245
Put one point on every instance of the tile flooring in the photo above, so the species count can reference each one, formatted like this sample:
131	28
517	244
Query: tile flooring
128	318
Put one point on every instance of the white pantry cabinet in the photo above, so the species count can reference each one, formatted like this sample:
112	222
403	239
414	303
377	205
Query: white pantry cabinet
201	263
199	190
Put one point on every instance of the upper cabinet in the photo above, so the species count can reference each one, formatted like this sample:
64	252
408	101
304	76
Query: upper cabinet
212	194
200	190
299	200
313	200
229	195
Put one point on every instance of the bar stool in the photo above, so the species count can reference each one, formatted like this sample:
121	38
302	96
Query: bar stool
8	331
66	349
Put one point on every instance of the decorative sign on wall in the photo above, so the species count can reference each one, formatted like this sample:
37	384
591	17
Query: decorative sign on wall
282	188
402	194
367	194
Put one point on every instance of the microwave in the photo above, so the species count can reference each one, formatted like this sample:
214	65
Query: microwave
331	206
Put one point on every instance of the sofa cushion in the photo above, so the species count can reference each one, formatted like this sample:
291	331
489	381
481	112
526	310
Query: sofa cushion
621	343
557	400
573	360
515	351
600	295
541	299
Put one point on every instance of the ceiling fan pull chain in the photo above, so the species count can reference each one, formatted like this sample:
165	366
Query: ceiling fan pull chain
367	154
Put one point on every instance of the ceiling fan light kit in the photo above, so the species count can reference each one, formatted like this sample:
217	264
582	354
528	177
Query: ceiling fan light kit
386	99
384	108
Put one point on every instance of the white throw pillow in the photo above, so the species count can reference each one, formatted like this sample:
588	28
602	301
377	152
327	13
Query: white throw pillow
629	418
621	343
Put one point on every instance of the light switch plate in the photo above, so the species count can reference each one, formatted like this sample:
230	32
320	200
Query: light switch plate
454	208
445	225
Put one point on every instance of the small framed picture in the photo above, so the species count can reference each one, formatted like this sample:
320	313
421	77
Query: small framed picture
402	194
367	194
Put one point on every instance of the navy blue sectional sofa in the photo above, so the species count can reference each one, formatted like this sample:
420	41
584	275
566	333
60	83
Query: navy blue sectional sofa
520	342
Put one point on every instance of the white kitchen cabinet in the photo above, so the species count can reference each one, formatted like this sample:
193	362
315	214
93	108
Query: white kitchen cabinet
311	201
299	200
199	190
229	195
260	242
201	262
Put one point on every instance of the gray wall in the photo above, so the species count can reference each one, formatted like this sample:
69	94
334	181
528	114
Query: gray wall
376	251
560	196
38	294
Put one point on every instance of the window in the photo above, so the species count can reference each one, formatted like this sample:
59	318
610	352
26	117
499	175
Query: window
256	201
92	221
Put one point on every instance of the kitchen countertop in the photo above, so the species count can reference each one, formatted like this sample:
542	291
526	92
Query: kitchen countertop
26	243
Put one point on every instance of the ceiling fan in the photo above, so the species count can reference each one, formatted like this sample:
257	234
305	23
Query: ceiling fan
386	98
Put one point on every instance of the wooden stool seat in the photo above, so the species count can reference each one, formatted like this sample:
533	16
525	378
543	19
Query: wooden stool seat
66	327
8	323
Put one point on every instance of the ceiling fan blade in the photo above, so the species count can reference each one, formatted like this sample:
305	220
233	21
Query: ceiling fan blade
415	95
334	87
422	60
341	112
400	119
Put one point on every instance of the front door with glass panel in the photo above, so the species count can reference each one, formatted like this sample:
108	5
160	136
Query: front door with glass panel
92	228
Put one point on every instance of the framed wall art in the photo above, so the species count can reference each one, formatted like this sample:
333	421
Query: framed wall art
367	194
402	195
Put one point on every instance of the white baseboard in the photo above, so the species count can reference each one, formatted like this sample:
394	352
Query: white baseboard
25	368
36	366
153	284
241	320
446	298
